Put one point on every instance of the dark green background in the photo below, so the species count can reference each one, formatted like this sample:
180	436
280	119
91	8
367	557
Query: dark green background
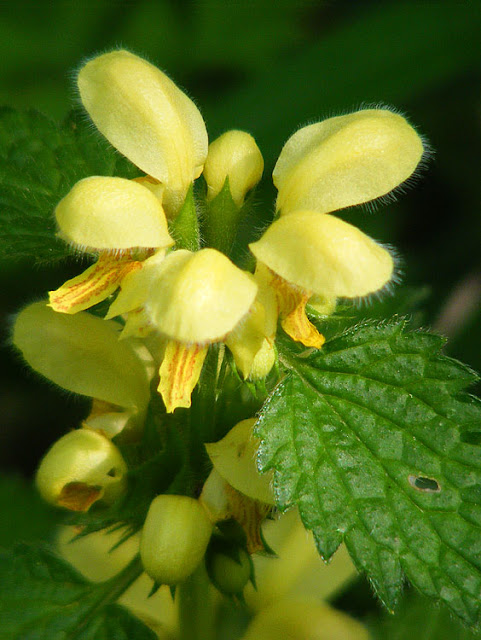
269	67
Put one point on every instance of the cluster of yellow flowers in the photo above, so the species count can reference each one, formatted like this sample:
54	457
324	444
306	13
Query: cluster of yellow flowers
174	302
196	298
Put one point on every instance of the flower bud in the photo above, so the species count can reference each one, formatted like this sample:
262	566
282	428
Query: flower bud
144	115
81	468
229	568
346	161
174	538
112	213
234	155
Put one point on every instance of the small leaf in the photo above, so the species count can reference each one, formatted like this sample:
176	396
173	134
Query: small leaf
39	164
366	437
44	598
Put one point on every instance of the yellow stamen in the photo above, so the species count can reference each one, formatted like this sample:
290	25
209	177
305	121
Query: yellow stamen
292	306
179	373
93	285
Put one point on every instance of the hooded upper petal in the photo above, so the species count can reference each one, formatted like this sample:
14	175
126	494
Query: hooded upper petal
346	161
146	117
112	213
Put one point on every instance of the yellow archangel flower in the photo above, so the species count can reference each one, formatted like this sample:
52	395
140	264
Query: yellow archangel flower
200	298
156	126
192	299
307	253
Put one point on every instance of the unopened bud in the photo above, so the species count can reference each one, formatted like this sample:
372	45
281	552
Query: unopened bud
82	467
229	568
234	155
174	538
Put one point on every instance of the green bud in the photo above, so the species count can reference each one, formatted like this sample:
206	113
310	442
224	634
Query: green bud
174	538
82	467
229	569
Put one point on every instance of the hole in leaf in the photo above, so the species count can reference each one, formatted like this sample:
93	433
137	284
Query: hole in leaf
471	437
112	473
421	483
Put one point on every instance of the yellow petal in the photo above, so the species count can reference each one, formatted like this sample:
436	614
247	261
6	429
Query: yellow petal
292	307
83	354
234	458
345	161
95	284
135	286
199	297
324	255
247	339
263	361
147	118
137	325
179	373
112	213
235	155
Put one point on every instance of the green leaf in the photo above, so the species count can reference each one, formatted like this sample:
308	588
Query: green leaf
25	516
44	598
374	440
39	164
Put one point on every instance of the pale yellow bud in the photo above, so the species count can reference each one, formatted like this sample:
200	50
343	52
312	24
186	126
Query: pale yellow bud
174	538
112	213
346	161
324	255
234	155
199	297
81	468
147	118
234	458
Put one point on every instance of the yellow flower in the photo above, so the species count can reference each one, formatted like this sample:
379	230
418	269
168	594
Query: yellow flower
195	299
82	353
338	261
148	119
345	161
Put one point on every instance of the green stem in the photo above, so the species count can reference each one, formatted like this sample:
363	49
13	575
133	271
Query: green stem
196	607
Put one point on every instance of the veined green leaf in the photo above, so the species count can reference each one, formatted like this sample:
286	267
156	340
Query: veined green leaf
39	164
374	440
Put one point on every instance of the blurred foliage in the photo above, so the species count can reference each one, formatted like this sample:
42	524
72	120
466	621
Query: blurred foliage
269	67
